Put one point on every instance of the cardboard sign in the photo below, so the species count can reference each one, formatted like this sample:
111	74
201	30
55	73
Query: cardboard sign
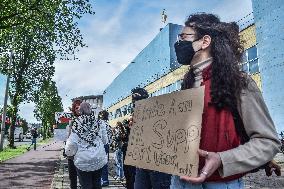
165	135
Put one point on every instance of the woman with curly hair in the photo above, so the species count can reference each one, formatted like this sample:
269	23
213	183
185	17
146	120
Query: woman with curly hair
238	134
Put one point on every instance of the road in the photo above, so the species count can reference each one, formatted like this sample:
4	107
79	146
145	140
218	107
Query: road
17	143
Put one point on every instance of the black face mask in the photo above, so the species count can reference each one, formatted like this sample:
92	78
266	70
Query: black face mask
184	51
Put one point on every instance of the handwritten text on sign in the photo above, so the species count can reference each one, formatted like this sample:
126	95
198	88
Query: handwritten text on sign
166	133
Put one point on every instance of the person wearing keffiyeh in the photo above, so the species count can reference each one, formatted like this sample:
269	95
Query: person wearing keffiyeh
86	143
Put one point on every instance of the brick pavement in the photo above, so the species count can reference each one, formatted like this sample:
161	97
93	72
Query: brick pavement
32	170
252	181
61	180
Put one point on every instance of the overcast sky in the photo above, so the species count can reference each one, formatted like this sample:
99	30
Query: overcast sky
118	31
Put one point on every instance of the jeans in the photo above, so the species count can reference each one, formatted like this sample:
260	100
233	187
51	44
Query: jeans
129	173
147	179
90	180
72	174
105	168
119	163
180	184
33	143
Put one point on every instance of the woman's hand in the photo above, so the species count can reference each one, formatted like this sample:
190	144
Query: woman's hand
212	163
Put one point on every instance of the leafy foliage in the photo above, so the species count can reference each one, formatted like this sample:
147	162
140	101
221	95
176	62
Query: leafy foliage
47	103
38	31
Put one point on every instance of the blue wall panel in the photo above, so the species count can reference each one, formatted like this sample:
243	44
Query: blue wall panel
152	62
269	21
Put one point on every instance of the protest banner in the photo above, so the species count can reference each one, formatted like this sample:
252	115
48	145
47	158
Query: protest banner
165	135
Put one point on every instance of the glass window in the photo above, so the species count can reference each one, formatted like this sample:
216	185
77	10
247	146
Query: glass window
110	116
245	57
179	84
253	66
168	89
158	92
252	53
118	113
244	67
124	110
172	87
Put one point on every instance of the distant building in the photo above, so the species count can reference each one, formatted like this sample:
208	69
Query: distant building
96	102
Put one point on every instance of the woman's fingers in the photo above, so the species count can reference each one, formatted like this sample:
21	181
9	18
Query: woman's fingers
212	163
195	180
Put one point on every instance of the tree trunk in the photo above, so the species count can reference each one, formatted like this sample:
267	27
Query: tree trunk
48	130
44	130
12	126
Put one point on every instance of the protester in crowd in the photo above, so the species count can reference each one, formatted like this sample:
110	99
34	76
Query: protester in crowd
119	134
71	167
86	143
34	136
238	134
148	179
129	171
113	145
103	116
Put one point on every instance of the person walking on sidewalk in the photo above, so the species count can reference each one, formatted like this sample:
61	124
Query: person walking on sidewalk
34	137
86	144
238	134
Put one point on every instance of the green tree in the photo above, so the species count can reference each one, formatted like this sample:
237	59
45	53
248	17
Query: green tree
38	31
24	124
47	103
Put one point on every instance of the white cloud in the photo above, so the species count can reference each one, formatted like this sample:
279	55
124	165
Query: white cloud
26	111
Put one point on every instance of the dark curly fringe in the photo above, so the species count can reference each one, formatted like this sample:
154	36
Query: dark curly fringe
226	49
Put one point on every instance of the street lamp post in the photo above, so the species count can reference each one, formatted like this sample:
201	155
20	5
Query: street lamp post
5	103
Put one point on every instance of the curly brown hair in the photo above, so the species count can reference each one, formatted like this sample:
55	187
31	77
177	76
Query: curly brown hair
226	49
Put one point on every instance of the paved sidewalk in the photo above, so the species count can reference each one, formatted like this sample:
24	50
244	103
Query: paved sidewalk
259	180
32	170
61	179
252	181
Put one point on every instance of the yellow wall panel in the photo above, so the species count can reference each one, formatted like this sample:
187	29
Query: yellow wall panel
256	77
248	37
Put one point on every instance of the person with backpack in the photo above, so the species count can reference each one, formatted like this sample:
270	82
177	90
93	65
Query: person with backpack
238	134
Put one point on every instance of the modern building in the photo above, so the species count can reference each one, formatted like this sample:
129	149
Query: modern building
269	21
149	69
96	102
155	68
